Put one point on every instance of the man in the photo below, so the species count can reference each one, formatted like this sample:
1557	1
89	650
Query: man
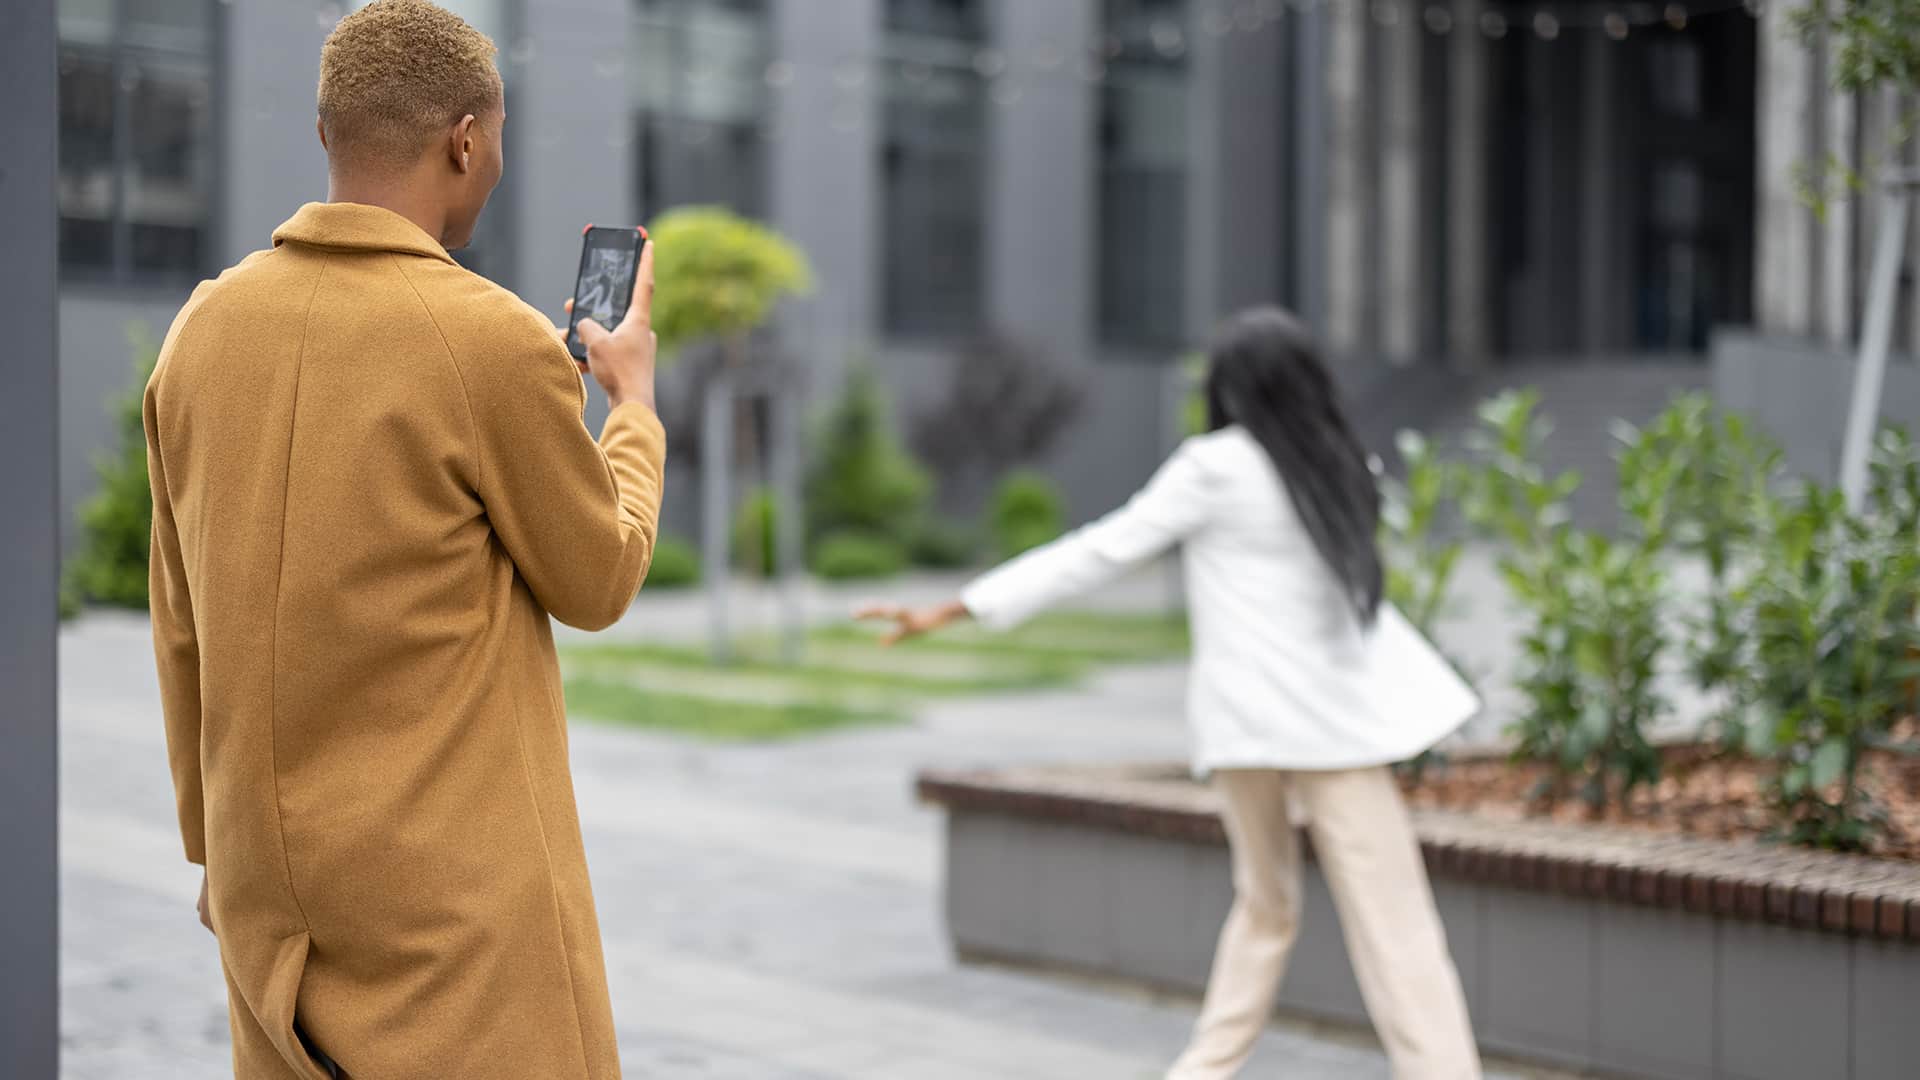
371	487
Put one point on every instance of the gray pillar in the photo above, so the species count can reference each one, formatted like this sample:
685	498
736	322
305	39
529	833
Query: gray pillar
1347	203
1041	169
1309	52
29	545
825	168
1838	125
271	160
1237	194
1468	338
1403	234
1784	284
569	135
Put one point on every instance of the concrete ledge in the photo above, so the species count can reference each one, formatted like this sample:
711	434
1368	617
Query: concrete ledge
1586	947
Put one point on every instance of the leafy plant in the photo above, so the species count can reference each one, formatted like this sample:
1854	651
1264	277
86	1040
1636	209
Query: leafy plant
1421	558
1828	663
1591	647
942	545
117	522
1026	513
719	275
862	480
1702	483
850	556
1875	43
755	535
676	564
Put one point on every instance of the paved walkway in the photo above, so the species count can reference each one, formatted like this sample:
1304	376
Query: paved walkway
768	911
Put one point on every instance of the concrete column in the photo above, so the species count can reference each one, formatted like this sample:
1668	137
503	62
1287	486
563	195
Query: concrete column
1309	108
271	159
29	545
1347	204
1403	238
1838	129
574	127
1786	101
1237	184
1042	195
825	169
1469	335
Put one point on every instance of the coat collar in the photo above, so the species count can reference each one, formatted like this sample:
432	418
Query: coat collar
354	227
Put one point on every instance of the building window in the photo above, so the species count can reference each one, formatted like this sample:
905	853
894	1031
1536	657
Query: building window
136	139
699	91
1143	174
932	173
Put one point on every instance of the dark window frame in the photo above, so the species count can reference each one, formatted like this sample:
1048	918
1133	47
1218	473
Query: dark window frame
932	244
657	131
125	59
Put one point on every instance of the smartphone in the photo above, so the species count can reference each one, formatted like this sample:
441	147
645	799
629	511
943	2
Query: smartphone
609	264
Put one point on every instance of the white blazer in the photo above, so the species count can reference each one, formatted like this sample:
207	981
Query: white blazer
1284	674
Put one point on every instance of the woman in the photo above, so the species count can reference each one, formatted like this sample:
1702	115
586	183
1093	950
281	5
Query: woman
1305	687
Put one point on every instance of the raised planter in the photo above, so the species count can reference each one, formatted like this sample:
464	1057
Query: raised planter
1593	947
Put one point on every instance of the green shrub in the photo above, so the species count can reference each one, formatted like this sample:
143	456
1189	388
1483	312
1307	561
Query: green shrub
755	534
1823	663
1593	637
861	479
117	522
1026	513
942	545
676	564
853	556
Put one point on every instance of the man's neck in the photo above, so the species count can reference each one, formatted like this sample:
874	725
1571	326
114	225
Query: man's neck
396	195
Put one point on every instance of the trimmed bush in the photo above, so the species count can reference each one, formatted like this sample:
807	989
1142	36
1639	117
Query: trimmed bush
1027	512
117	523
852	556
943	545
862	480
676	564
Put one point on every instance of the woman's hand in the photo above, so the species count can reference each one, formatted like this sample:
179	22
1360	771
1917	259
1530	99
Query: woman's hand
912	622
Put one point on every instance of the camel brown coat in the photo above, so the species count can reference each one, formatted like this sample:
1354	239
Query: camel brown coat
371	487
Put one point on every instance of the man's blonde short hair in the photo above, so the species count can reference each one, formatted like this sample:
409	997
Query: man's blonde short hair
396	74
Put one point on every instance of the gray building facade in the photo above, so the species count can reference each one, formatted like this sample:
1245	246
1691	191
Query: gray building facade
1097	178
1442	185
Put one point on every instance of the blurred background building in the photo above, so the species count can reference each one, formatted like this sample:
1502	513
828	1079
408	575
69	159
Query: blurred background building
1459	194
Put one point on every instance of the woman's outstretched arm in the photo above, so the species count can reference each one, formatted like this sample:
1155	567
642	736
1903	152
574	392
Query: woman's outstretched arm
1172	506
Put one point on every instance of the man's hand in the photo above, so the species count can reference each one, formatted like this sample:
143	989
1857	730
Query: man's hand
621	360
911	622
206	913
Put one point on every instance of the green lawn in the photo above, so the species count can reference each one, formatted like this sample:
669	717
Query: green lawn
846	679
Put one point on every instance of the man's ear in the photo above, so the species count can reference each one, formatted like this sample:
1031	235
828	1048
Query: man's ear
460	144
320	126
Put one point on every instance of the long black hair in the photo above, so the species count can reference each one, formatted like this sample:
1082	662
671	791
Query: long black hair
1265	374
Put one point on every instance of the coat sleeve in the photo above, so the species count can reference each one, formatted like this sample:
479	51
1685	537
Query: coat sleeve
577	516
176	647
1173	506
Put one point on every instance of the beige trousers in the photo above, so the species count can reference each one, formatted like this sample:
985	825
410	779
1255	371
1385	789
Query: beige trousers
1364	842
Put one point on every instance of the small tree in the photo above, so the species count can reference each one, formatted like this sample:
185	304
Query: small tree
862	480
1875	45
719	277
1005	406
117	522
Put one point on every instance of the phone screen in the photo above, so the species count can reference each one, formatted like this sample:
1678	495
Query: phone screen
609	262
